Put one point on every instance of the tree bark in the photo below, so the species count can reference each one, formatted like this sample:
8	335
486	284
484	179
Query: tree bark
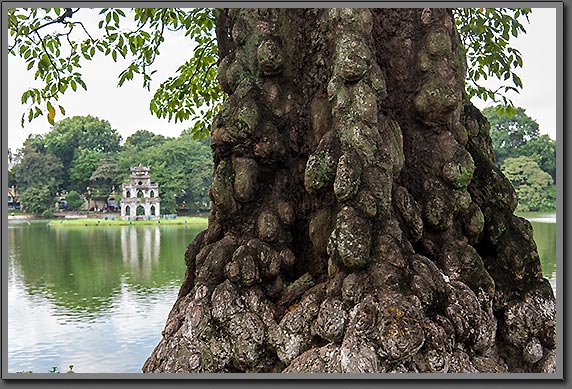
358	221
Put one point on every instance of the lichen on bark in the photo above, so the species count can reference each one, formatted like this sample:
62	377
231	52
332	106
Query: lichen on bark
359	223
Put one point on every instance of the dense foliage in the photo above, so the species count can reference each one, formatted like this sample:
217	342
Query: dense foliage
143	139
82	156
37	199
542	150
38	169
534	187
527	158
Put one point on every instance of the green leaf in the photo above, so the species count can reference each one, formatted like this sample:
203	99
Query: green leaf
519	60
516	80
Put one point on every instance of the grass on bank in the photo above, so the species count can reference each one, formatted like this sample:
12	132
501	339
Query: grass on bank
95	222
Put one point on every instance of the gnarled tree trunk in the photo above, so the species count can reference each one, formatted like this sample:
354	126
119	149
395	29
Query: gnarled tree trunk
358	222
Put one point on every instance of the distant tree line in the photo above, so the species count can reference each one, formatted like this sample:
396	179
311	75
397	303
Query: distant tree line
82	157
526	157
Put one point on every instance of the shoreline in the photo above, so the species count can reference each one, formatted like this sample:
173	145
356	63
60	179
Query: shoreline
97	221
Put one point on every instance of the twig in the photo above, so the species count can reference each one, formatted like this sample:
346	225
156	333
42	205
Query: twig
49	59
201	57
87	32
68	14
207	72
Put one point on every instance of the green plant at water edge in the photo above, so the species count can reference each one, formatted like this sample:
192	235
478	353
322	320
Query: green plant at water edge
48	213
55	370
37	199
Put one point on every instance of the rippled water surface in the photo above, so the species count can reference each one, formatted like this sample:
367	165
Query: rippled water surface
98	297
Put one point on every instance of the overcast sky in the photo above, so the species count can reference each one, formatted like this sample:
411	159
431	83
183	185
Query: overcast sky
127	108
538	74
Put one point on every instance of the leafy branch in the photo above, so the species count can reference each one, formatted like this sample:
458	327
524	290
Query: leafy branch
485	34
40	35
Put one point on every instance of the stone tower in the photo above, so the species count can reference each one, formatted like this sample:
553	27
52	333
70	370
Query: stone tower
140	199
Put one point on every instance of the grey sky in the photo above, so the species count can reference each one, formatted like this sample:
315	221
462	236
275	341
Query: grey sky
538	49
127	108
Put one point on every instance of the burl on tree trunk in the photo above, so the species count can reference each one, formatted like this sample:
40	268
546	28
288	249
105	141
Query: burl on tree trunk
358	222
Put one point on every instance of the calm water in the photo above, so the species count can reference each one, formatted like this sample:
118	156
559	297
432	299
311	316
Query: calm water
98	297
545	238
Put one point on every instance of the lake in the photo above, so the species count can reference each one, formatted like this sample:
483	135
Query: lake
94	297
98	297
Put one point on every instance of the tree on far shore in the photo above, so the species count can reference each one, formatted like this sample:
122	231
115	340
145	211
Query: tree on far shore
534	187
519	135
74	201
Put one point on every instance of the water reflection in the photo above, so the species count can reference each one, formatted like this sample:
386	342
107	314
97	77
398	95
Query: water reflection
93	297
82	270
544	230
140	250
75	271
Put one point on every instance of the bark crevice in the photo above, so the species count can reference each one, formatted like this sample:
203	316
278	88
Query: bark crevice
359	223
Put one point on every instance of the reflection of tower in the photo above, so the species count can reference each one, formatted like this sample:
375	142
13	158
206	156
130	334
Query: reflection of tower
157	244
140	198
140	255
